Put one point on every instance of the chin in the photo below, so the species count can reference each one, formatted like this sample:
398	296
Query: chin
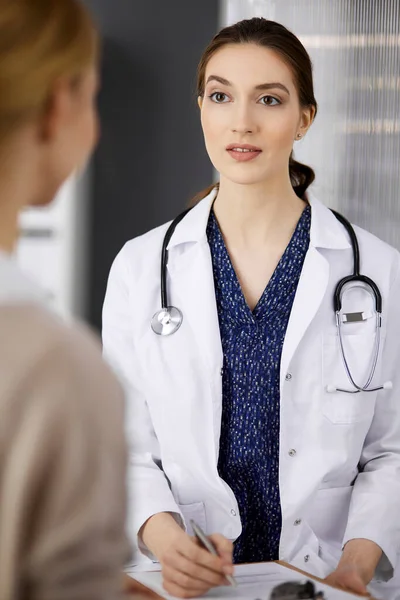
41	202
247	173
44	199
243	178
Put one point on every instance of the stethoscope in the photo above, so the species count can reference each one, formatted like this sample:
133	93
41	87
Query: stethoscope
168	320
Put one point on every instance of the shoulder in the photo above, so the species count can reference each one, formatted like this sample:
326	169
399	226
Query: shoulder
379	256
40	352
373	242
39	330
17	286
139	253
378	259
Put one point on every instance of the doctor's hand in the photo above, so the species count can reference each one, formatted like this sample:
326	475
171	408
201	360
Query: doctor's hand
349	579
188	570
357	566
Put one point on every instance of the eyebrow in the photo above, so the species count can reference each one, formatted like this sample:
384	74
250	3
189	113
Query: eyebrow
262	86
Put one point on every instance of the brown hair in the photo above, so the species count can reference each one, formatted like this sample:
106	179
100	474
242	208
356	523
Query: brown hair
40	41
276	37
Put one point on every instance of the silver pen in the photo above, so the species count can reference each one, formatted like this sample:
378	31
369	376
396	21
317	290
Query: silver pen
208	545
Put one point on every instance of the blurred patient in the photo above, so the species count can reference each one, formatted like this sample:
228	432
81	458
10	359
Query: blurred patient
62	452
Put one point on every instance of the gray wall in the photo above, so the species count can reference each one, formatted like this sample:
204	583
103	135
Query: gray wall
151	157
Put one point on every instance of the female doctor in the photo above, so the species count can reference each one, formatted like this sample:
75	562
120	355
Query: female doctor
260	408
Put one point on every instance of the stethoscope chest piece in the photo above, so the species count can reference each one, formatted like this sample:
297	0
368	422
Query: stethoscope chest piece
167	321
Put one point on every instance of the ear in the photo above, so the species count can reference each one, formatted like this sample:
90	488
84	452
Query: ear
200	102
57	110
306	119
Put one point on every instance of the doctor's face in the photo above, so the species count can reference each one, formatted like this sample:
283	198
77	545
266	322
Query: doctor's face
250	102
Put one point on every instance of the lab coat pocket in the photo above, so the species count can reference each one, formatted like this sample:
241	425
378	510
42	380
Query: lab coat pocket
339	406
195	511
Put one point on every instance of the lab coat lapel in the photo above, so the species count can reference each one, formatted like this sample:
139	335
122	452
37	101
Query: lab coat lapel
310	293
190	269
327	234
193	292
192	286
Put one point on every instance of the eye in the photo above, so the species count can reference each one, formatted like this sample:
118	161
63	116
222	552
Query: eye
219	97
269	101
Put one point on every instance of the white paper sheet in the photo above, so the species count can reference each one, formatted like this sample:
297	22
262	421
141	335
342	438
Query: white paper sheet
255	582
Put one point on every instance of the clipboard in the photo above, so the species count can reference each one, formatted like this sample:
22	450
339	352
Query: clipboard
148	585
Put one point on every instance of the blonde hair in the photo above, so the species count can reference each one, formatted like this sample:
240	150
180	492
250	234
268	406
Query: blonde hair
40	41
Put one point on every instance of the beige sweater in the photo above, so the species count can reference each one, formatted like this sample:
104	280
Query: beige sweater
62	462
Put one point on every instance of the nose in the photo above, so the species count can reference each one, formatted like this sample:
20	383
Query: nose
243	121
242	130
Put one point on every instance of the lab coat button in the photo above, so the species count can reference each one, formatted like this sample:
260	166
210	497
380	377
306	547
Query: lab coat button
288	376
306	558
297	522
233	512
292	452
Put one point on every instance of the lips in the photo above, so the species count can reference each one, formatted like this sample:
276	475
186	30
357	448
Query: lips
243	148
243	152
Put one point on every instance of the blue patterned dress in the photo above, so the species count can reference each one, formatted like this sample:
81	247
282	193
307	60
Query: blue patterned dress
252	346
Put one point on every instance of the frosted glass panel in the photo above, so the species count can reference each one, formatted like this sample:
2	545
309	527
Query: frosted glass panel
354	144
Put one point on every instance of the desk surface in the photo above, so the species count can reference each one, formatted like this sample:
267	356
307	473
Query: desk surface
140	592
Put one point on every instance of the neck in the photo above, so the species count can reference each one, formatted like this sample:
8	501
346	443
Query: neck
255	215
17	189
8	227
13	197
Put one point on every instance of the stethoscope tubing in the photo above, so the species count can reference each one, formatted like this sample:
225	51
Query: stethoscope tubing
169	319
356	275
164	258
365	387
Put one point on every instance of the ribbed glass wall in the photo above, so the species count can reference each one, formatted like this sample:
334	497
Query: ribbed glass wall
354	144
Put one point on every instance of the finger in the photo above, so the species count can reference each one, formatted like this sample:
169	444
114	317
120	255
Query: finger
201	556
175	590
198	573
333	581
224	548
350	582
354	583
186	582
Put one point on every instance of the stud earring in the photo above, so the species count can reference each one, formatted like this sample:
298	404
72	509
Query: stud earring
299	136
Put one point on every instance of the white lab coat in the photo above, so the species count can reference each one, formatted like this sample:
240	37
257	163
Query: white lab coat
339	453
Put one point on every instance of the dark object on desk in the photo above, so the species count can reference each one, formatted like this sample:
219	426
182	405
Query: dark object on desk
296	590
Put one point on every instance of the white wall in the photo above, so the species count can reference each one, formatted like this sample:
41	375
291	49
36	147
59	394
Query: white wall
53	247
